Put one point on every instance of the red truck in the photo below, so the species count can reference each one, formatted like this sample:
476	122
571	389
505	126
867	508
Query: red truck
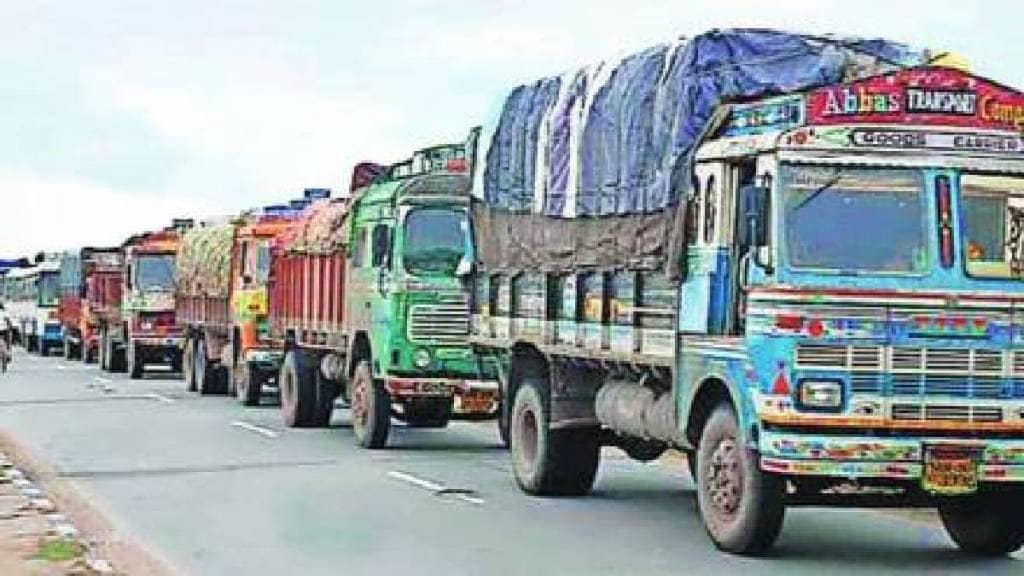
90	294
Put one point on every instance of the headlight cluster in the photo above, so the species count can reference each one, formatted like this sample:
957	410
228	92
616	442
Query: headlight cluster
421	358
821	394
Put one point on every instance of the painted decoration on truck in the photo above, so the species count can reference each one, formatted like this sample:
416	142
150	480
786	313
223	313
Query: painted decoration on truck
919	96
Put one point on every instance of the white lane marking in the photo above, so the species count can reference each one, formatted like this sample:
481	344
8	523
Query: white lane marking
254	428
438	489
161	398
102	380
61	367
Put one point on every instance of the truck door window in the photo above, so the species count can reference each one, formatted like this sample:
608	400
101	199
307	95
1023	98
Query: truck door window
381	246
359	248
710	212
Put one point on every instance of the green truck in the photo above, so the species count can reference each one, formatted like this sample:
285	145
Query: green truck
367	303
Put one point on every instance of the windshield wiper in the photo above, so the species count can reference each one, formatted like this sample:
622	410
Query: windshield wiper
818	192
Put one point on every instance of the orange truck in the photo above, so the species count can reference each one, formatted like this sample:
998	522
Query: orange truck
221	282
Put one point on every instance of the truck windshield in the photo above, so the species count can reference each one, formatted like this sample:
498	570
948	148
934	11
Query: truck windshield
435	240
993	214
850	220
154	272
49	288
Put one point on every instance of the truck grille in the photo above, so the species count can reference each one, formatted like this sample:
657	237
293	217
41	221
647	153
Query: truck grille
920	371
440	324
946	413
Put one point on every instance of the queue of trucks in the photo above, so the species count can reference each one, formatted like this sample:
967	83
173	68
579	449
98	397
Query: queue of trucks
798	260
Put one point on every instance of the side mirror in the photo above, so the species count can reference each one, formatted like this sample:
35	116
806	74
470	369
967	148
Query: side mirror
755	217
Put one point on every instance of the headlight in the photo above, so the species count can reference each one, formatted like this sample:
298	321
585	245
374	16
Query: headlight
421	358
821	394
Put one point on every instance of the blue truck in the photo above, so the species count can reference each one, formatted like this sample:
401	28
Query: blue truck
797	260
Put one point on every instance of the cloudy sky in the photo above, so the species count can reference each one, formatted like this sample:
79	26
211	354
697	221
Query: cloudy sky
117	116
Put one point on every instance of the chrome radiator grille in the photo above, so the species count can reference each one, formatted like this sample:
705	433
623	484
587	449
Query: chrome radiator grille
445	323
920	371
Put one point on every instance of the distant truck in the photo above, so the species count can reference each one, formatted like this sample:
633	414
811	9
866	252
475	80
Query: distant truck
221	300
79	315
148	332
34	293
366	303
815	295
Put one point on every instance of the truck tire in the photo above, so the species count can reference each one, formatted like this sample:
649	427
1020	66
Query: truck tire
428	413
88	354
371	408
297	388
43	348
550	462
209	378
504	409
135	364
104	353
188	365
68	350
248	384
326	393
985	524
741	506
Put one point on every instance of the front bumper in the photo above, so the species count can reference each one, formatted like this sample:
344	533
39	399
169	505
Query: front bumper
854	457
471	397
159	341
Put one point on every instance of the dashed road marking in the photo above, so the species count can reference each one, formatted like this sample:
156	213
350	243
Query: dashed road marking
254	428
160	397
102	380
438	489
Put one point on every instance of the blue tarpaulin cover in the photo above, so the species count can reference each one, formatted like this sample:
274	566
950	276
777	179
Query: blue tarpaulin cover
628	126
585	170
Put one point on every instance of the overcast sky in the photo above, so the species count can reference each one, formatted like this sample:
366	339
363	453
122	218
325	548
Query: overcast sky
117	116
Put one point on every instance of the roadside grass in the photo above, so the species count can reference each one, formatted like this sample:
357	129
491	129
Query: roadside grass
60	550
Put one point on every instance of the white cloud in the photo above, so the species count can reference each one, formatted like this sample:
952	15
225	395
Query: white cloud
49	214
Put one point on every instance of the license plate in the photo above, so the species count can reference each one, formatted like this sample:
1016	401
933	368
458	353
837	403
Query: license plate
476	403
950	470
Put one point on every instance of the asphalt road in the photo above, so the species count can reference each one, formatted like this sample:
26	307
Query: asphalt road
215	488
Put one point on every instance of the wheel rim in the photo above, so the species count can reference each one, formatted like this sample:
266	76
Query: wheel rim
725	479
528	435
359	408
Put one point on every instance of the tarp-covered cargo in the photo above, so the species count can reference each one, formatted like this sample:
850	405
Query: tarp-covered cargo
322	230
586	169
203	265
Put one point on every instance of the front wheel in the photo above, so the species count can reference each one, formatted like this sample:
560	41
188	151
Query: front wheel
135	365
550	462
987	524
248	383
371	408
740	505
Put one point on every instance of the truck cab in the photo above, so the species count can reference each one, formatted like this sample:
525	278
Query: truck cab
855	267
406	305
149	330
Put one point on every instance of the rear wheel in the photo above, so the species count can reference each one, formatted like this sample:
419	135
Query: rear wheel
44	348
209	377
371	408
550	462
987	524
297	389
326	393
188	365
69	352
741	506
104	351
248	383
